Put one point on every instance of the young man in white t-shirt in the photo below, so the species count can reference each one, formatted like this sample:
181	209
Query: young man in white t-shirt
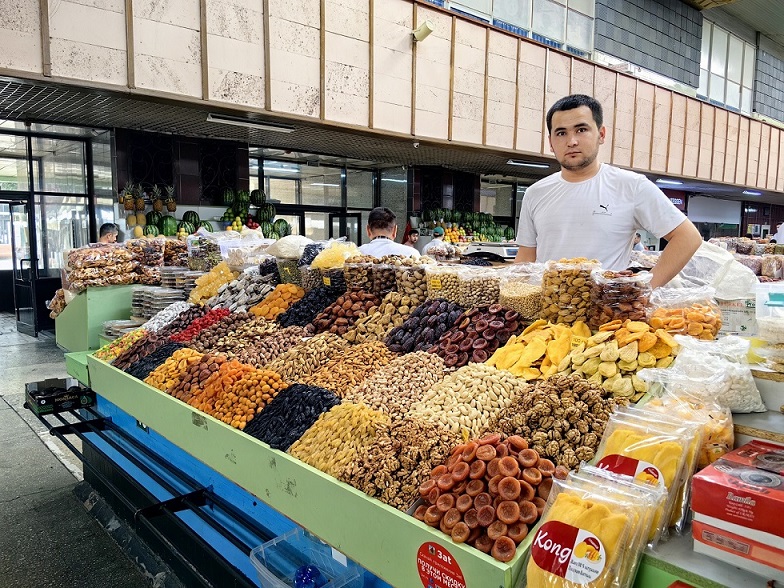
592	210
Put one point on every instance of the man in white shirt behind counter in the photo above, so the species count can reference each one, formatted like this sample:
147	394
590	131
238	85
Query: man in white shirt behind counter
590	209
382	230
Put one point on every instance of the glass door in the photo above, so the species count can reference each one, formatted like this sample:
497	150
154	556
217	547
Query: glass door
25	269
346	225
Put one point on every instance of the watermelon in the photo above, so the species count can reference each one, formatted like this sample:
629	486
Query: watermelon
266	228
272	235
281	227
191	216
187	227
266	212
151	230
154	218
257	197
243	197
168	226
228	196
206	225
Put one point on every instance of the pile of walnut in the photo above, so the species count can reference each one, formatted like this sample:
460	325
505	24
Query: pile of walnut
392	468
563	418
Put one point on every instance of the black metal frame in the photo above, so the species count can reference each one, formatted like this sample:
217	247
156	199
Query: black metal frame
193	560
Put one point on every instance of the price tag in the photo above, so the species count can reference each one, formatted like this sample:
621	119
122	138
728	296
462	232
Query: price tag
339	557
577	341
435	283
327	281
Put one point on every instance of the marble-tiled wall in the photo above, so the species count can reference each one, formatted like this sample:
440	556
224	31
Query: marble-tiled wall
235	51
347	61
88	40
20	36
433	63
392	65
461	84
468	96
295	56
167	46
501	89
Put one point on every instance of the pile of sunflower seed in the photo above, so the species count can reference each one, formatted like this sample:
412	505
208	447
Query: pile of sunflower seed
242	293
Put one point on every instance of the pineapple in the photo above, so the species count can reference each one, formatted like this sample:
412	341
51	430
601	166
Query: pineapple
157	202
171	205
127	196
139	202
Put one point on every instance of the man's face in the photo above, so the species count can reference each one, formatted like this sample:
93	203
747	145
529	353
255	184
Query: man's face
414	237
636	239
575	138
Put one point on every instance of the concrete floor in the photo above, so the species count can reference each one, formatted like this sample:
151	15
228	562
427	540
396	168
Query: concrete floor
47	537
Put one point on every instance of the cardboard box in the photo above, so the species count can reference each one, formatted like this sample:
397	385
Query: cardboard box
737	509
57	395
738	317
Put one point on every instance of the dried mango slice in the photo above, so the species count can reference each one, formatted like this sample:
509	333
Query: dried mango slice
648	340
667	338
580	329
611	326
665	362
637	326
660	350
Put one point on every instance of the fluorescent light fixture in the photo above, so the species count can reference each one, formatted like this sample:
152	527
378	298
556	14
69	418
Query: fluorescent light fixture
669	182
394	180
248	123
533	164
752	193
286	170
322	184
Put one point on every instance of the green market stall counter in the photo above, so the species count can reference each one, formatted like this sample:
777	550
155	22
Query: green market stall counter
80	324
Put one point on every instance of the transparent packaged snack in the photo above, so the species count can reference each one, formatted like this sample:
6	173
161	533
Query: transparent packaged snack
589	535
566	290
102	255
289	272
333	278
686	311
411	281
478	287
358	275
619	296
335	255
147	252
311	277
520	289
442	282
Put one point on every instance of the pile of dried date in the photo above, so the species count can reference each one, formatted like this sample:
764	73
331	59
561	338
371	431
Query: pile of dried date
476	334
341	315
427	323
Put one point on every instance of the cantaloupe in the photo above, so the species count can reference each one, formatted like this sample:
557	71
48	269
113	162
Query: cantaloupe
131	220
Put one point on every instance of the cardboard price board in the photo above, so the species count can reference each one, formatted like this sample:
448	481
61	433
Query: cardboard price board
437	568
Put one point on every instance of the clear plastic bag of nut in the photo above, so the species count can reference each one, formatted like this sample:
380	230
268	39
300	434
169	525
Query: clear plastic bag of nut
478	286
411	278
358	274
384	280
310	276
619	296
289	272
686	311
521	289
442	282
566	290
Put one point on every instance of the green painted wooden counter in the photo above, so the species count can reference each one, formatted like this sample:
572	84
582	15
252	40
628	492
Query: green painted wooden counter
78	326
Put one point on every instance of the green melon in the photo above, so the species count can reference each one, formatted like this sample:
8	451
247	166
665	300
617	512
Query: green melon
192	217
168	226
206	225
187	227
154	218
151	230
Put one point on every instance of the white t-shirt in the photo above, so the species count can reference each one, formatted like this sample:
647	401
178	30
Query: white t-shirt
596	218
381	246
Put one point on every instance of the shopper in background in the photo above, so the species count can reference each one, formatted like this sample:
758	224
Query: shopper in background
382	230
413	237
637	245
437	242
590	209
779	236
108	233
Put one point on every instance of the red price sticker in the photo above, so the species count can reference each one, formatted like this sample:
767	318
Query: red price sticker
437	568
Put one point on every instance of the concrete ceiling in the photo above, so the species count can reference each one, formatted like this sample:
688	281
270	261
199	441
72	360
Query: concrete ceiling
54	105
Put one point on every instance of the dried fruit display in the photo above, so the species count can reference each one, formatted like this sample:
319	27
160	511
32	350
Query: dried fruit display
476	334
307	357
566	290
281	299
341	315
247	397
209	319
402	457
427	323
232	333
113	350
358	272
269	347
142	368
619	296
488	494
698	320
563	418
470	398
396	386
337	437
242	293
208	285
217	385
394	309
292	412
349	369
167	375
193	380
314	302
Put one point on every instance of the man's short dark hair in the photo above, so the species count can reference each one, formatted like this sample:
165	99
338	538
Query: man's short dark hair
108	229
413	232
381	219
572	102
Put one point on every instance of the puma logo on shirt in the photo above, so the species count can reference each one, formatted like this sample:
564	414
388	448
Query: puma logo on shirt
605	210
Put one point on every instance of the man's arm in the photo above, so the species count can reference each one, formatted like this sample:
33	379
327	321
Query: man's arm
683	241
525	254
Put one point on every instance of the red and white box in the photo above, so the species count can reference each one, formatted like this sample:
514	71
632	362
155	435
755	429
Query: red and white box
738	505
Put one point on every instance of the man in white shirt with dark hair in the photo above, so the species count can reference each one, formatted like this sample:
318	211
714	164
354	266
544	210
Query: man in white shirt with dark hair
382	230
590	209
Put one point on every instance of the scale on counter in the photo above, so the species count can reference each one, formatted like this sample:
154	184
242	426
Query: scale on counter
492	251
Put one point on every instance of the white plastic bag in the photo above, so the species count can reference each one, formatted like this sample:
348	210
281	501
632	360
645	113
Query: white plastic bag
713	266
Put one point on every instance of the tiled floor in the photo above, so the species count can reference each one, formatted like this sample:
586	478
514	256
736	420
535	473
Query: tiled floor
47	538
